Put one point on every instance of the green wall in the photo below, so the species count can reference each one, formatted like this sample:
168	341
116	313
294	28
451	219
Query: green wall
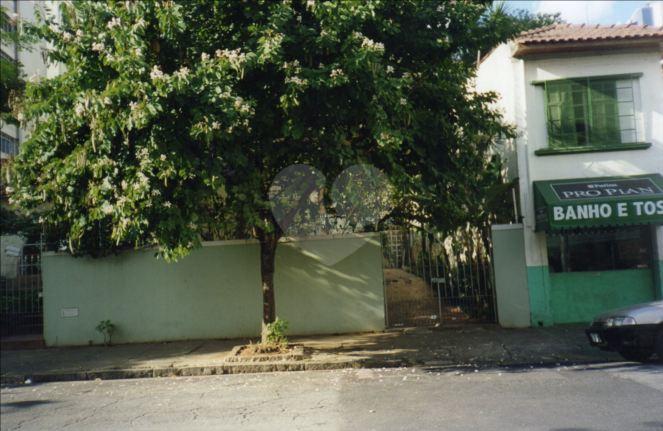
538	283
580	296
318	297
322	286
575	297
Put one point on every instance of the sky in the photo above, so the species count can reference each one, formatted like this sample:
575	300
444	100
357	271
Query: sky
579	12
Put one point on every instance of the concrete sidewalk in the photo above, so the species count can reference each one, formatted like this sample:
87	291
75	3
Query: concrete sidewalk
465	346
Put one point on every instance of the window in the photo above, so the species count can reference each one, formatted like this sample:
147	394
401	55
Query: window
8	24
8	144
591	112
627	248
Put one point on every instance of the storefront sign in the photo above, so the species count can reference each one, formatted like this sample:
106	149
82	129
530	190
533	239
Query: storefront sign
608	210
598	202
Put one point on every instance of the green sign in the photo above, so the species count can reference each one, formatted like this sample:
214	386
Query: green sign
598	202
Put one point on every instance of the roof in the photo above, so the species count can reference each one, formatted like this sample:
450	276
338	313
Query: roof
582	33
573	37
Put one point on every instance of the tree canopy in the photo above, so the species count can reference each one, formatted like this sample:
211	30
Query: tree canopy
172	118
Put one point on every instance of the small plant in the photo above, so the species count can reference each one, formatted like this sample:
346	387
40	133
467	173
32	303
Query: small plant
106	328
276	333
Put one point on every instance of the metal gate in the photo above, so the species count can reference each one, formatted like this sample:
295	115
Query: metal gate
430	279
21	290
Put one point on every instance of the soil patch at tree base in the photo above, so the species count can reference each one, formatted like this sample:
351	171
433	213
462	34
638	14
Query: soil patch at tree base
258	353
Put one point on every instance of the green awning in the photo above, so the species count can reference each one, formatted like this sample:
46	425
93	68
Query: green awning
598	202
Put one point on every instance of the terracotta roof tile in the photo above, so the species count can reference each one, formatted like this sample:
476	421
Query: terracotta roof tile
586	33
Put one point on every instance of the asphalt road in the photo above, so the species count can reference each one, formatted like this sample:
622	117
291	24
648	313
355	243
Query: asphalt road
601	397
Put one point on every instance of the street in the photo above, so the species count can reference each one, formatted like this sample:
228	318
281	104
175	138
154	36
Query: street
598	397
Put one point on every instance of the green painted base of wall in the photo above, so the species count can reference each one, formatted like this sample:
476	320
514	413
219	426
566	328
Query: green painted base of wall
577	297
580	296
538	283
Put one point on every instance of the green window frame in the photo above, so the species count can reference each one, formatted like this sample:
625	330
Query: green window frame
591	112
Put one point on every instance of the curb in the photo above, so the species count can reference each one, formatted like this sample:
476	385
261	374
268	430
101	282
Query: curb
267	367
138	373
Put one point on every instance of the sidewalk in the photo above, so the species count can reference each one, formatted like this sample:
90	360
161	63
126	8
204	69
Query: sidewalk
466	346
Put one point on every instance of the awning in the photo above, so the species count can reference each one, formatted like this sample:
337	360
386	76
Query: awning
598	202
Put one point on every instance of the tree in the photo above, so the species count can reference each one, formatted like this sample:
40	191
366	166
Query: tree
172	118
499	23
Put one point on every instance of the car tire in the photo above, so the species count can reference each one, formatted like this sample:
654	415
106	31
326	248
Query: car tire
659	344
636	355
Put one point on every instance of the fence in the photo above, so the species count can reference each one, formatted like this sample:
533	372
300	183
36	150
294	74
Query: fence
432	279
21	292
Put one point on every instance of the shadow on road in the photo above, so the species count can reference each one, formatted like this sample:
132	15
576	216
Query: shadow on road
26	404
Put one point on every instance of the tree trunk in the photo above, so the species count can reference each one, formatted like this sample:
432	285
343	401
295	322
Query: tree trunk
268	244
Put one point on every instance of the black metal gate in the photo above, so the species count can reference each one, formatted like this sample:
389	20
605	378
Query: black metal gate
21	290
430	279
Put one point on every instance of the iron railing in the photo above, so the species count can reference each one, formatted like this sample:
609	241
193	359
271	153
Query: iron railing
432	279
21	291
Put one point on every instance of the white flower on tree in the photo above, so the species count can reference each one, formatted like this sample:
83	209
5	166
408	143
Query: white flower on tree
183	72
79	109
98	46
156	73
371	45
115	22
107	208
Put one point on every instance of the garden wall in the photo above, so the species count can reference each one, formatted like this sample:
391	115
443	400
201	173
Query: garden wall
330	285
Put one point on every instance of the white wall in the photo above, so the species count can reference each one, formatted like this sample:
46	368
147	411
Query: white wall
496	73
596	164
523	104
603	163
9	262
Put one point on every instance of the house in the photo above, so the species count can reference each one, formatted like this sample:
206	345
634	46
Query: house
587	102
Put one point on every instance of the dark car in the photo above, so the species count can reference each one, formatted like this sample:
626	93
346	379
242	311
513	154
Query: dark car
635	332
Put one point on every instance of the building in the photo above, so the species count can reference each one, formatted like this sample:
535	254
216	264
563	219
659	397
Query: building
33	66
652	14
32	61
588	105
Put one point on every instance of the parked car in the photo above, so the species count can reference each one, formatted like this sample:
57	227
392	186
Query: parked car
636	332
